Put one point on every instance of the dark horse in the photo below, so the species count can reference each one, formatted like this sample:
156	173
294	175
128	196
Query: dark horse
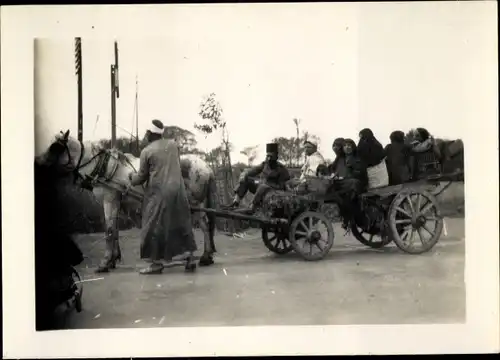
55	252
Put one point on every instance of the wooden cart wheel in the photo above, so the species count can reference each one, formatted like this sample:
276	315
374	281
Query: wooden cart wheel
311	235
78	290
415	221
277	242
373	241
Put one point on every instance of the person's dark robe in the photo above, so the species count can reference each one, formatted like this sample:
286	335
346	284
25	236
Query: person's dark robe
356	169
398	159
338	167
349	188
370	151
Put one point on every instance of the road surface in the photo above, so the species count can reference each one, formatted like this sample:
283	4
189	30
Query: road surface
249	285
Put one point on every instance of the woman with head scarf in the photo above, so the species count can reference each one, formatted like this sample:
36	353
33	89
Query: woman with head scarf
354	182
398	159
426	154
355	167
423	141
338	166
371	152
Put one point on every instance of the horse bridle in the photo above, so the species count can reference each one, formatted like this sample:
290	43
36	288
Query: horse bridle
98	171
75	170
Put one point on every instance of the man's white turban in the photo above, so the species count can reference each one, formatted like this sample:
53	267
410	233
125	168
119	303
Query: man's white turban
311	142
156	127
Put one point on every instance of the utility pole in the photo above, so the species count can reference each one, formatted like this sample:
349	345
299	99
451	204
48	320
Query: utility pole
115	93
137	113
78	68
113	107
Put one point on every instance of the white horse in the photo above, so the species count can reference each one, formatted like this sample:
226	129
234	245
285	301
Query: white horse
106	172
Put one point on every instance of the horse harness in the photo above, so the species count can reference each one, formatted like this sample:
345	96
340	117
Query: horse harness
100	171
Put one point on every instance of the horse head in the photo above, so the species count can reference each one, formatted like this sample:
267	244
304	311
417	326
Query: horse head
63	153
68	155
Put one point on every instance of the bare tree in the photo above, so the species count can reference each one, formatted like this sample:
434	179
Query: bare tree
297	122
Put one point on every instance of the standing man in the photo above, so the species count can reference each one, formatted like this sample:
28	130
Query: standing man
313	160
273	175
166	209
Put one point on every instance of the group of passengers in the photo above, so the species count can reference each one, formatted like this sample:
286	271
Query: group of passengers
357	167
395	159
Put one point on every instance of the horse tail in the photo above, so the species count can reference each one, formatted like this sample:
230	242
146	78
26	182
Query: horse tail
210	203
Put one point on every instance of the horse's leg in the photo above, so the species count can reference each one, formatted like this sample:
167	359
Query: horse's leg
112	253
207	224
207	257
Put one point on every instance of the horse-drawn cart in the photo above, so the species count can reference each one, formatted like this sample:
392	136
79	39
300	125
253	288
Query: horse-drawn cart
292	221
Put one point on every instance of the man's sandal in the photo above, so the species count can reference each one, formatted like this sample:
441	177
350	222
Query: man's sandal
152	269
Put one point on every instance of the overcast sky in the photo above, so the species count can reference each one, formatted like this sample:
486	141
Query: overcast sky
386	68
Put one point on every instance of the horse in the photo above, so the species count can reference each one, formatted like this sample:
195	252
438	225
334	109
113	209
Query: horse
105	172
452	154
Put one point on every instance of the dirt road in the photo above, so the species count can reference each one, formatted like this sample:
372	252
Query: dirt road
248	285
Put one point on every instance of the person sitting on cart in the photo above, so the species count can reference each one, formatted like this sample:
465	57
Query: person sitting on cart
338	167
313	160
354	183
398	159
369	149
273	175
423	142
371	153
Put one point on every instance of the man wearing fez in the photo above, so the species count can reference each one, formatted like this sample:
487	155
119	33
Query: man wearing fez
273	175
166	205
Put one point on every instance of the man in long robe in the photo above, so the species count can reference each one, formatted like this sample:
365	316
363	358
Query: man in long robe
313	160
273	175
166	209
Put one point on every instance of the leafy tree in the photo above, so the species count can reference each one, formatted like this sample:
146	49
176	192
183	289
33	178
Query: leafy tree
292	149
211	113
251	153
215	158
124	144
185	138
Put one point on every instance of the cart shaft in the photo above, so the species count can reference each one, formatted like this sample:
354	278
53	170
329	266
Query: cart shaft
238	216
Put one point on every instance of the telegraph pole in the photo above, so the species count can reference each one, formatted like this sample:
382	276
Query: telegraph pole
113	107
115	93
78	68
137	113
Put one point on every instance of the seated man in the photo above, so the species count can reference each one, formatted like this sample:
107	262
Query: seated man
313	160
273	175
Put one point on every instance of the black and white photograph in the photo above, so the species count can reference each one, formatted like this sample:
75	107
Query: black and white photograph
252	167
